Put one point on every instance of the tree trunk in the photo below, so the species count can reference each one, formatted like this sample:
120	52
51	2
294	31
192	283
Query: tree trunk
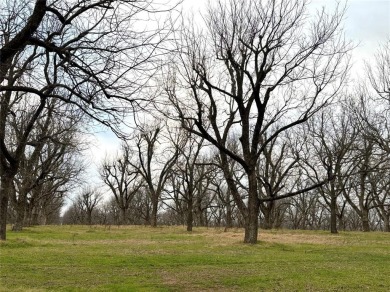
89	218
3	213
251	226
6	188
18	226
341	222
190	217
386	223
385	216
199	212
123	216
153	221
20	208
147	215
44	219
252	216
28	217
365	221
35	217
333	214
267	212
229	221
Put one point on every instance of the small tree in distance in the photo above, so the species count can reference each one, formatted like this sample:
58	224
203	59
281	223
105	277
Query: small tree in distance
123	180
87	201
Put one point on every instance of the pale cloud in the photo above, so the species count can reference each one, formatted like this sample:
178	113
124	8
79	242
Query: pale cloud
366	24
368	21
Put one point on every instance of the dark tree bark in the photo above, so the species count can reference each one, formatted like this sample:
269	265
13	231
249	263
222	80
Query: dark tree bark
15	44
6	187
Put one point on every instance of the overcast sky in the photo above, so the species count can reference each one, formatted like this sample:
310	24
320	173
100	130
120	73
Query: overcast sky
367	24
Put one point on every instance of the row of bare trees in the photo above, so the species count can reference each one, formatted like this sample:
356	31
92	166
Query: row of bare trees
340	142
50	167
76	61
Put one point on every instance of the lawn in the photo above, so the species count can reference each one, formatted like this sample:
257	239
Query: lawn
134	258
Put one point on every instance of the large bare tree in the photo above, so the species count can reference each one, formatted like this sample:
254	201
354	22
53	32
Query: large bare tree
253	65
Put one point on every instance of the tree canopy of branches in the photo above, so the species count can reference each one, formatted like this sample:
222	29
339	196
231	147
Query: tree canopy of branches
256	64
123	180
152	163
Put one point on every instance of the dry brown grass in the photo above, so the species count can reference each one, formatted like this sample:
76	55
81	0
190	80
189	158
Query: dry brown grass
236	235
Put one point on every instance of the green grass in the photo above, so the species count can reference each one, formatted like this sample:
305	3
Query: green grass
81	258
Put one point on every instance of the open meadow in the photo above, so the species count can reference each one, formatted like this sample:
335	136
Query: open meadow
135	258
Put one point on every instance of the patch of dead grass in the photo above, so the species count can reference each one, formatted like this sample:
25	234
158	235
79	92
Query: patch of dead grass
281	237
301	238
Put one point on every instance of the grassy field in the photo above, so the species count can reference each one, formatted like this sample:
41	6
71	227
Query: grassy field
81	258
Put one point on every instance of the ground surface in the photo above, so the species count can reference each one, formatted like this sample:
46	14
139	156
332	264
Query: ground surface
81	258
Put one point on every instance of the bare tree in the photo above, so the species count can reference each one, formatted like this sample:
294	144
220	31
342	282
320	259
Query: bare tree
256	63
379	72
276	173
370	158
123	180
224	198
330	141
88	201
380	186
191	177
154	163
375	121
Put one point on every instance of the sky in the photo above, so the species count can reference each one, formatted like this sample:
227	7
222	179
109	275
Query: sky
366	24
